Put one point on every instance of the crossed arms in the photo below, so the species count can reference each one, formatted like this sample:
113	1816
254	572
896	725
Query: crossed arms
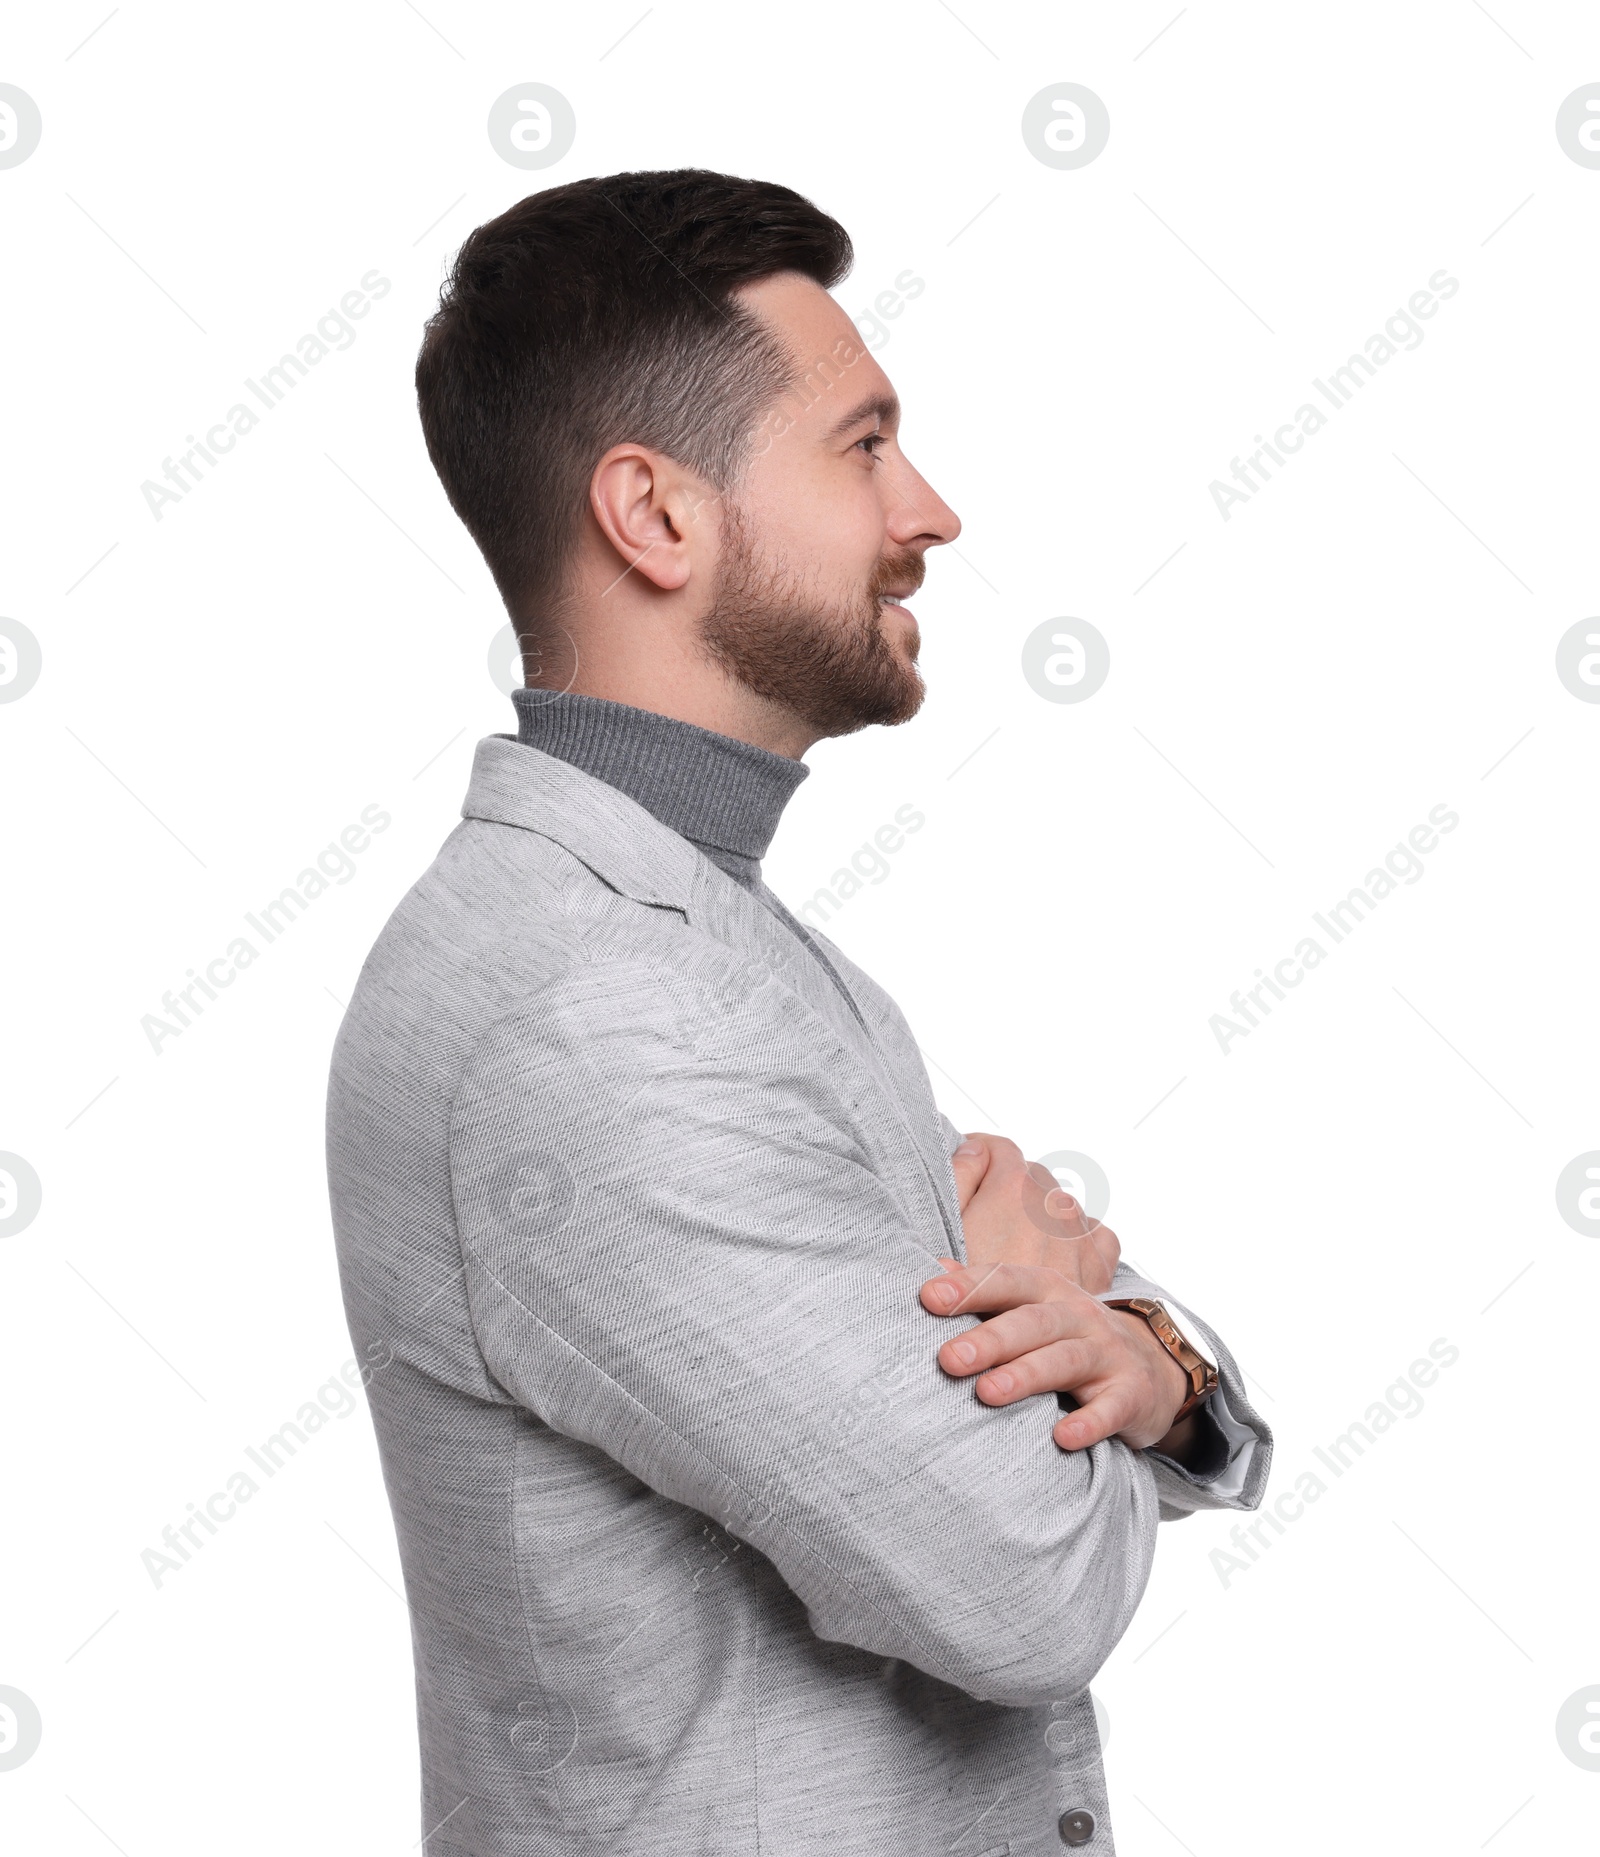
1033	1253
680	1250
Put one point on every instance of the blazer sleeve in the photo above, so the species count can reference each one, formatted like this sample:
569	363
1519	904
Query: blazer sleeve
1236	1441
679	1247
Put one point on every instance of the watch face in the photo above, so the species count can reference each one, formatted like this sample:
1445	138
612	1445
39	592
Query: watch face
1189	1338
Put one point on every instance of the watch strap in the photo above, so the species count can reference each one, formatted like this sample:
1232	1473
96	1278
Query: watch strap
1202	1376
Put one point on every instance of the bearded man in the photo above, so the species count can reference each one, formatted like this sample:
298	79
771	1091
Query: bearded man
772	1467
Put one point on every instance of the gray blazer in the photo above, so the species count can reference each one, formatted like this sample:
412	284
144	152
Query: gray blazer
705	1555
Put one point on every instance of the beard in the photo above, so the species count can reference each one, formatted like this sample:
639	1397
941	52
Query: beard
827	659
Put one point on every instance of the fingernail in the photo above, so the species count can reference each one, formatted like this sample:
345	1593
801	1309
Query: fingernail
998	1382
1059	1201
943	1294
970	1147
963	1352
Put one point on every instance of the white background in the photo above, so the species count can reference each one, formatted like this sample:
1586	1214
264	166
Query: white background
1372	635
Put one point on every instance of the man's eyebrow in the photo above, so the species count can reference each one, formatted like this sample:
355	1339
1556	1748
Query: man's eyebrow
882	406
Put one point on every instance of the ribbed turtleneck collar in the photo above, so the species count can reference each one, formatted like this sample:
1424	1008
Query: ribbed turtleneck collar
724	795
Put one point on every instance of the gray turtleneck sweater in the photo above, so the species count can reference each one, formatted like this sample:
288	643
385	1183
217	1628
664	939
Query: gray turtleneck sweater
724	795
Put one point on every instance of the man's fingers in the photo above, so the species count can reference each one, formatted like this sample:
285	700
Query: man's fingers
1106	1245
972	1289
1058	1367
1061	1204
1103	1417
1070	1212
1005	1337
969	1163
1065	1206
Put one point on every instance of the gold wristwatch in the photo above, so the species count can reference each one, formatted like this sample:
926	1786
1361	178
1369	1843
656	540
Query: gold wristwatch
1201	1371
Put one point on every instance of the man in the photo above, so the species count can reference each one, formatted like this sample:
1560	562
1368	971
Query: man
724	1530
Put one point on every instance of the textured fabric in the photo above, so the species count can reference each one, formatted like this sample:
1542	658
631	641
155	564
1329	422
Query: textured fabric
727	797
704	1553
724	795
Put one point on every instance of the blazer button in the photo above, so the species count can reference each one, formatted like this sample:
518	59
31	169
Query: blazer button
1076	1827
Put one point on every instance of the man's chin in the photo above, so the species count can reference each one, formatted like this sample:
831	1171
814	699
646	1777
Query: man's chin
912	693
886	704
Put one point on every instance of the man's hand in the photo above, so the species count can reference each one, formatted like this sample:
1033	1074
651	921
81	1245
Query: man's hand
1048	1334
1039	1264
1013	1212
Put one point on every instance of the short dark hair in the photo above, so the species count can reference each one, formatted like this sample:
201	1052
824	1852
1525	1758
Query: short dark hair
593	314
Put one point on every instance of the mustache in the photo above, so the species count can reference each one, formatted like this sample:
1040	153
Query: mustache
902	570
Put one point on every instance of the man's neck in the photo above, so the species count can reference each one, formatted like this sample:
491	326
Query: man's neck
719	704
641	656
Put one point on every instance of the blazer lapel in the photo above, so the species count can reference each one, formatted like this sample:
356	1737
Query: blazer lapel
725	909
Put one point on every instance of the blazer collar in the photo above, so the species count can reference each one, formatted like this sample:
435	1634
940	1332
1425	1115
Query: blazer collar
515	784
629	849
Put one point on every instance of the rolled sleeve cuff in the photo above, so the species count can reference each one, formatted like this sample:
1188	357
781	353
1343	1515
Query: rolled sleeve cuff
1232	1474
1224	1452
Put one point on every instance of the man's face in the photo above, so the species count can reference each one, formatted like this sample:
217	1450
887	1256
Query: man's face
825	537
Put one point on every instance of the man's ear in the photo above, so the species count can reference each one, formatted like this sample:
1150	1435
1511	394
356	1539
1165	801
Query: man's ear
647	506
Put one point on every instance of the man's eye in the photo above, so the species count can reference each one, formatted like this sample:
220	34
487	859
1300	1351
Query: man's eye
872	441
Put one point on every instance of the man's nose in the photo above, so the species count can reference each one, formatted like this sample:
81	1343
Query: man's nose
920	517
